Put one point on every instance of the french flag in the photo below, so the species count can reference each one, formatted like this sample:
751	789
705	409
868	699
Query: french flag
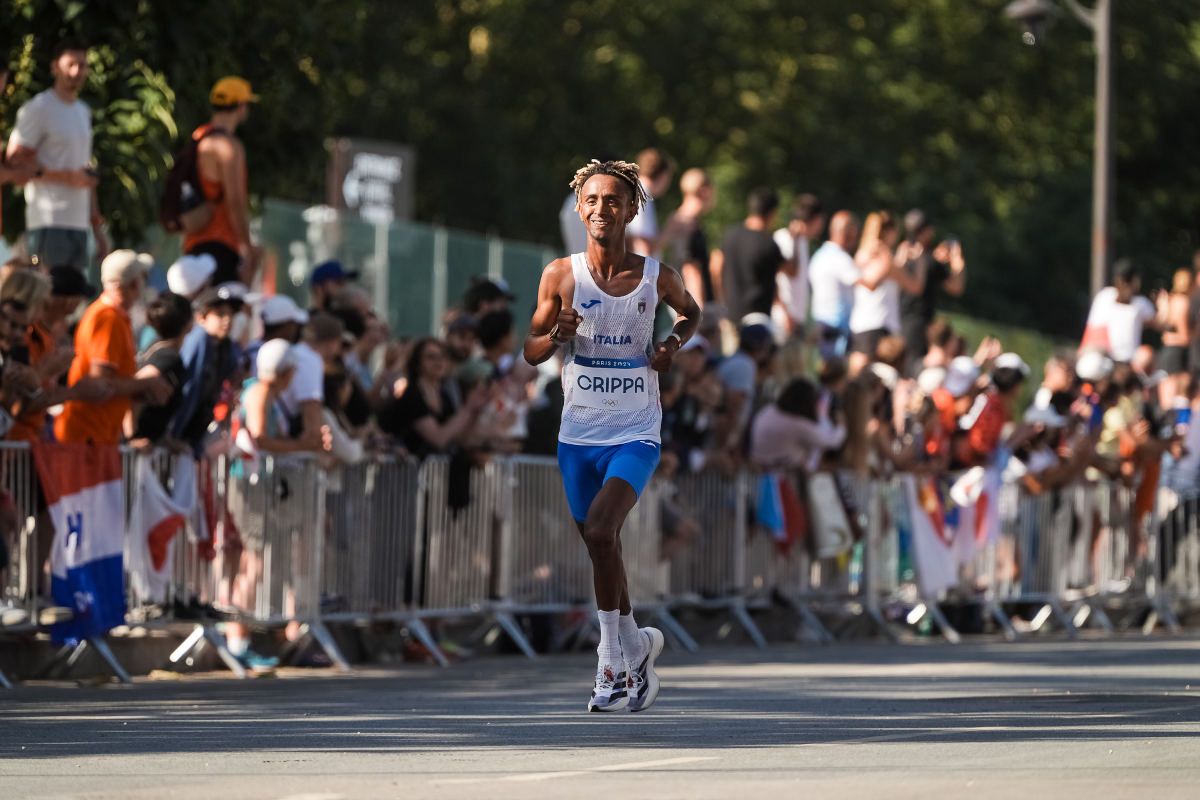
82	487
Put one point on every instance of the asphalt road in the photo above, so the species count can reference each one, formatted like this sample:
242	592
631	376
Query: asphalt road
1091	719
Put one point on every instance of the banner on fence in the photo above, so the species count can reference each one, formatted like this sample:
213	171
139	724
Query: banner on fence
779	510
977	494
82	487
933	546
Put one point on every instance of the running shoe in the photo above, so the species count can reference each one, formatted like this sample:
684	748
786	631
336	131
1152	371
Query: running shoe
643	680
611	692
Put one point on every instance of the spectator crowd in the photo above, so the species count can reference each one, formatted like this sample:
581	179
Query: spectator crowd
820	346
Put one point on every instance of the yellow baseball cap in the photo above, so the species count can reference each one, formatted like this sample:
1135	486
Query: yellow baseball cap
231	91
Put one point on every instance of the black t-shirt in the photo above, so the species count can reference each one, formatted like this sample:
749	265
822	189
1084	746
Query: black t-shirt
399	416
152	421
919	308
696	252
683	430
752	259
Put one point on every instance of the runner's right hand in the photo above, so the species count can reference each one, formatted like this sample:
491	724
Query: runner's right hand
567	322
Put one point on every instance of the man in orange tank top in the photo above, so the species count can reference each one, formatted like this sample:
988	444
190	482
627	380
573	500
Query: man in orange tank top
221	162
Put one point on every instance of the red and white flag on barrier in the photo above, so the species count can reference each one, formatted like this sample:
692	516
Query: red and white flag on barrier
154	522
977	494
82	487
933	547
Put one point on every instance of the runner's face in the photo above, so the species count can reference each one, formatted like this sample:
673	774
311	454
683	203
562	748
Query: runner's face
606	207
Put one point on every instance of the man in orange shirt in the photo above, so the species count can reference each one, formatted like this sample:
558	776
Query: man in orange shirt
104	349
221	164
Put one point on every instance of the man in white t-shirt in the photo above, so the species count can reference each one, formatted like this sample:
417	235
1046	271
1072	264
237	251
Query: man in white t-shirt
656	172
832	274
1119	313
53	136
302	402
790	312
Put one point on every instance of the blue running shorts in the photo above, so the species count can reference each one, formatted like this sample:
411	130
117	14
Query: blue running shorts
586	468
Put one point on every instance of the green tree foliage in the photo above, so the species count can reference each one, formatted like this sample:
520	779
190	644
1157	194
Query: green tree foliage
869	103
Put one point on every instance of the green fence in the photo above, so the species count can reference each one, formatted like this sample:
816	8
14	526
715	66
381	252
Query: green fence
415	271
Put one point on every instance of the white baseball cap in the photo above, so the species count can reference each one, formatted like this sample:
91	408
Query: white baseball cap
279	308
120	266
961	376
1012	361
1092	365
189	274
274	357
931	379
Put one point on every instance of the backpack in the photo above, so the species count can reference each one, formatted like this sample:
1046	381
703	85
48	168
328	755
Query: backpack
183	208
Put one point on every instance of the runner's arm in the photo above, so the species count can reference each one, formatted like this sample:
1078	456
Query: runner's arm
551	313
693	281
675	294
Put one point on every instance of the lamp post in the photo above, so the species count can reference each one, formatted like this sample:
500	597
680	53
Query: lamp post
1034	16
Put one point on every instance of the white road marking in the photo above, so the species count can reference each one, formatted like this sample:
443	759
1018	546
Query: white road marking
545	776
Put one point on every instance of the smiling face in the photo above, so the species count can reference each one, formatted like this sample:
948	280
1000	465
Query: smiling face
606	205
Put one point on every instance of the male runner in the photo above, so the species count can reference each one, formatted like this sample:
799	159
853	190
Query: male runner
600	304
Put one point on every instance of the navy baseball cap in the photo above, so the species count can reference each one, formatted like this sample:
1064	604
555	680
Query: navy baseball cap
330	271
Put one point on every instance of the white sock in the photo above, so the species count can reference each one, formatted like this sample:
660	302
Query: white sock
633	644
610	642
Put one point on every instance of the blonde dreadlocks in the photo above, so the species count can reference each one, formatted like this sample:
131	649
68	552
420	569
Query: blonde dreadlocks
618	169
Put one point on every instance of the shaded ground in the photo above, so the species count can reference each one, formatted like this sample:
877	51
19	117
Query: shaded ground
1110	718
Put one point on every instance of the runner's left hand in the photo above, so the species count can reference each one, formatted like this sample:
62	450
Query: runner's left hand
663	353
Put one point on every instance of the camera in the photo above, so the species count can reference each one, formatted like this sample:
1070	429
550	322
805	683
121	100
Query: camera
1034	17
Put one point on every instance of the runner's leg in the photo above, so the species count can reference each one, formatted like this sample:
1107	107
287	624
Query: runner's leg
601	533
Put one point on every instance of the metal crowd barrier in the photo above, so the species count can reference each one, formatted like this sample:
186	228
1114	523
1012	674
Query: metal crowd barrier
711	571
293	543
22	580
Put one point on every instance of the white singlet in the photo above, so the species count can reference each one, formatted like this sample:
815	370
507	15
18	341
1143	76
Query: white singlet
610	391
